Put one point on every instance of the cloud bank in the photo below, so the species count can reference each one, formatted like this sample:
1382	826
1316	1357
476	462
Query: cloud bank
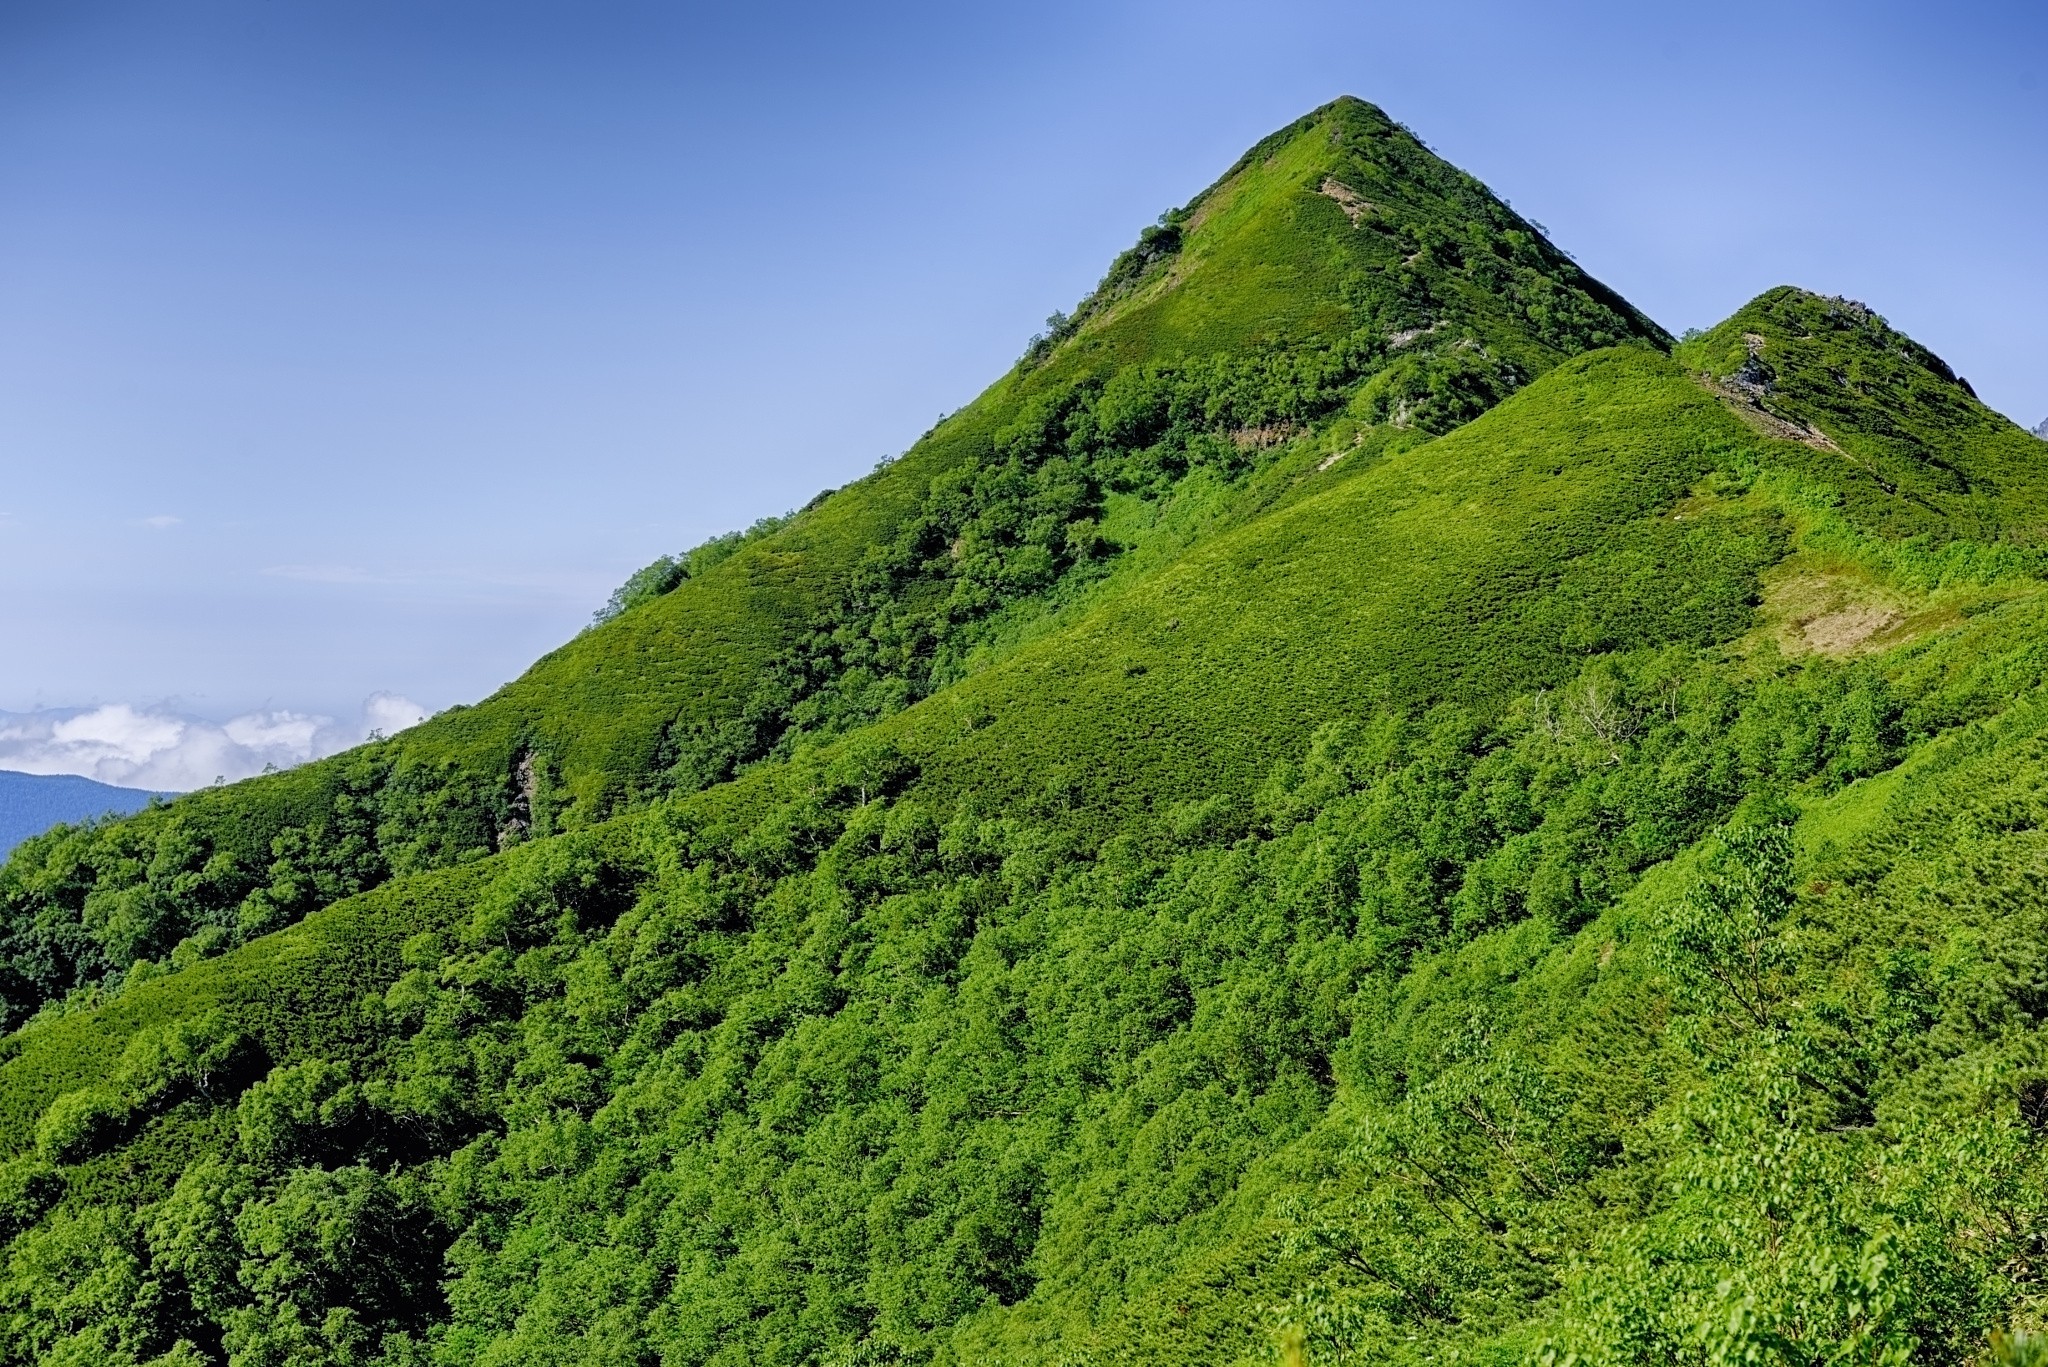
155	748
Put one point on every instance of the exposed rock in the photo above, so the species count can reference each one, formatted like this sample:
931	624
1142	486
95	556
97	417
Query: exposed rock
1260	438
1753	377
1354	205
1746	401
526	787
1840	632
2041	430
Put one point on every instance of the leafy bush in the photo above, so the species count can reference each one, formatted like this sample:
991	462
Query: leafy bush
78	1122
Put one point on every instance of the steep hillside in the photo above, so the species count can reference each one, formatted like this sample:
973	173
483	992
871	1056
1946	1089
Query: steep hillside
1340	278
1350	809
1905	441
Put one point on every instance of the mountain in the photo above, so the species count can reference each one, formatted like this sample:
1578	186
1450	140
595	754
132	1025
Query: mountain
1361	803
1172	406
2041	429
32	803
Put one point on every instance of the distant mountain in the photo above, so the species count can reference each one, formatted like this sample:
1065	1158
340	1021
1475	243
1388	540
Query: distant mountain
2041	429
32	803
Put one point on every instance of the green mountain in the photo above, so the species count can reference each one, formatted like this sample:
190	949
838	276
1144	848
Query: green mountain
1361	804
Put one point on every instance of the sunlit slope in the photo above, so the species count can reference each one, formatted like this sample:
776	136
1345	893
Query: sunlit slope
1095	1006
1600	510
1482	565
1477	567
1340	287
1306	234
1884	420
293	994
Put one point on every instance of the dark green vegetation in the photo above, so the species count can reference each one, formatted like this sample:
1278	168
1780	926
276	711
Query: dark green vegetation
1357	806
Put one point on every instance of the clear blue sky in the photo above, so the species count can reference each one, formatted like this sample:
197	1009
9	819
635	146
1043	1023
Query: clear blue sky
349	347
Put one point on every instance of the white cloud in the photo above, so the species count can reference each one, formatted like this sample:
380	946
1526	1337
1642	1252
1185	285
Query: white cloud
117	733
386	714
161	521
154	747
290	731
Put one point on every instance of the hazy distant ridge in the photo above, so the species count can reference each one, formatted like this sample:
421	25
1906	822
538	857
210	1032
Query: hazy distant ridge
32	803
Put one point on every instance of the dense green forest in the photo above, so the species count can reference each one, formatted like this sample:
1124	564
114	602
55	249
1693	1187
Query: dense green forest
1363	804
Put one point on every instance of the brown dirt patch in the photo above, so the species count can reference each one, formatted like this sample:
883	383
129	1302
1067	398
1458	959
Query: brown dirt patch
1841	631
1746	407
1259	438
1354	205
1838	613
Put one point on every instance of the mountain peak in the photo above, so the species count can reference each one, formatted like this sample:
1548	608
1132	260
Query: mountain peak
1340	220
2040	429
1904	437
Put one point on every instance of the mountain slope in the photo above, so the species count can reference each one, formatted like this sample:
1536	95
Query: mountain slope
1907	442
1279	300
1488	869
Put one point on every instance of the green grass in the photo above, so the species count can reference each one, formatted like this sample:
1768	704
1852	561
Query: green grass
1473	568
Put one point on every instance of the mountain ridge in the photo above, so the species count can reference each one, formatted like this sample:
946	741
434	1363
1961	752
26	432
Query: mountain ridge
859	604
32	803
1350	806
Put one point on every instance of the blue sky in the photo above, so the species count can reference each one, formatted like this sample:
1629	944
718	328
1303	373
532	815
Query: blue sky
358	349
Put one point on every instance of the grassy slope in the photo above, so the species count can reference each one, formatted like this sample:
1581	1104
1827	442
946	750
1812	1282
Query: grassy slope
1433	575
1916	454
1473	568
294	993
1268	260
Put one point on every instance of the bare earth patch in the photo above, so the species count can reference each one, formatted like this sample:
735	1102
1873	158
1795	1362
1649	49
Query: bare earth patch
1830	612
1750	409
1354	205
1260	438
1838	633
